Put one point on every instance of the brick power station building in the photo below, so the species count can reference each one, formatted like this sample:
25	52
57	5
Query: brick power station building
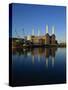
43	39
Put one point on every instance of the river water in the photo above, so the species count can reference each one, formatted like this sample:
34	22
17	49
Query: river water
39	66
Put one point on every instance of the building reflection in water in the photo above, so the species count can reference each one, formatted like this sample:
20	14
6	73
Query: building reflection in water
39	53
47	52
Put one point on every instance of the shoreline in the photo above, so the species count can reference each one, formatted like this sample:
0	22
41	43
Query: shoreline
40	46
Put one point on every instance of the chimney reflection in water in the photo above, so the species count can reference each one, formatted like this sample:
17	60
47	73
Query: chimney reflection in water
47	52
32	59
40	53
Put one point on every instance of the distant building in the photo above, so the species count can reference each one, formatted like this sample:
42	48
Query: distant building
45	39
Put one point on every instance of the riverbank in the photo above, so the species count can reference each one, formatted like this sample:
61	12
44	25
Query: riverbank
39	46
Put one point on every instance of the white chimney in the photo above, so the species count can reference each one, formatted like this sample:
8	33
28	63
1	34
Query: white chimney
53	30
38	32
33	32
46	28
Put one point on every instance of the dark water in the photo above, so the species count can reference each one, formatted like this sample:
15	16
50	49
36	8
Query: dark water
39	66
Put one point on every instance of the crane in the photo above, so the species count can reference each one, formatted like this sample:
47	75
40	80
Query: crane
17	34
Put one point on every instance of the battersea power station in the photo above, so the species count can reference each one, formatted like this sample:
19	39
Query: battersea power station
43	39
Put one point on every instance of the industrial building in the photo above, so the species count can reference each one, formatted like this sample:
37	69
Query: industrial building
43	39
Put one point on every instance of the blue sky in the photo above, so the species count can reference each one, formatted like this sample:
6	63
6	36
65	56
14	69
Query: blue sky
37	16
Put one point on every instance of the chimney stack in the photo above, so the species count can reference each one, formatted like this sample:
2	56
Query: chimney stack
33	32
46	28
38	32
53	30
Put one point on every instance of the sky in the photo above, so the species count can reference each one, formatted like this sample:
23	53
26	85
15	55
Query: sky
26	17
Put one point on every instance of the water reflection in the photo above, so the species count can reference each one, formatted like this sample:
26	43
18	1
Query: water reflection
39	65
38	53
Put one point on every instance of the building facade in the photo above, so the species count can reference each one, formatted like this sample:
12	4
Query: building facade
43	39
